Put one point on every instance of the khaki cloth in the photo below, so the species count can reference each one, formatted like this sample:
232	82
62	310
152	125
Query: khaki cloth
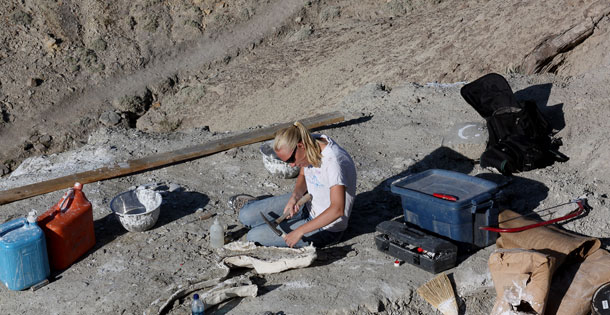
522	279
563	268
573	285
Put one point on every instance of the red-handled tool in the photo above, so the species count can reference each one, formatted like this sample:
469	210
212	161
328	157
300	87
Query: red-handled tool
578	211
445	197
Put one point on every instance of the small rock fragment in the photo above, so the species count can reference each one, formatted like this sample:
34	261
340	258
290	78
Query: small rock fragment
99	44
163	86
302	34
110	118
39	147
174	187
45	140
137	103
330	13
33	82
50	44
4	170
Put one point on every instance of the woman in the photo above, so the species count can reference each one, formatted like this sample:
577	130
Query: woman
327	173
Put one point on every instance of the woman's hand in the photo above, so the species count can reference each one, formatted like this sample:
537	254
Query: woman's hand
291	207
293	237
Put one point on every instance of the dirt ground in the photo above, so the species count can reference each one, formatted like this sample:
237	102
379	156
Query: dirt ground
87	84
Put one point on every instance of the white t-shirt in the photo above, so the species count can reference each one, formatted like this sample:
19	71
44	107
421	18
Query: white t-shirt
337	168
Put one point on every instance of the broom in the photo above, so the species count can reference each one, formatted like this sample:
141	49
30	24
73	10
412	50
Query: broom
439	293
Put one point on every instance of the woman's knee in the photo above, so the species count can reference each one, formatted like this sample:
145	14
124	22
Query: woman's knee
247	216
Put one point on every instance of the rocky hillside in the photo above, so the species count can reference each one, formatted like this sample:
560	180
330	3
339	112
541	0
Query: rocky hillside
70	66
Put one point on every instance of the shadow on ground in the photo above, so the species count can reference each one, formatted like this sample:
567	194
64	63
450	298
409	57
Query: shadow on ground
540	94
175	205
605	242
179	204
350	122
380	204
330	254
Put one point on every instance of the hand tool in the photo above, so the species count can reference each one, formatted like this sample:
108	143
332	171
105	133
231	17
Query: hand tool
578	211
273	224
445	196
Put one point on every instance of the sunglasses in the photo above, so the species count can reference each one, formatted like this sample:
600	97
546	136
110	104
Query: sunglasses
292	157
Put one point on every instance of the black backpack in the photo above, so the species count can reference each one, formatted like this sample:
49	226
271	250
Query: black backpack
520	137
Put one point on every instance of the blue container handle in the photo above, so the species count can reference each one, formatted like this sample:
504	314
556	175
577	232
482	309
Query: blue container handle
487	205
481	198
10	226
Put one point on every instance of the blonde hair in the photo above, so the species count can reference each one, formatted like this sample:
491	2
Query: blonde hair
289	138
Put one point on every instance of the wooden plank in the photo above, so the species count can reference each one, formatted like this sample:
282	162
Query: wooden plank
158	160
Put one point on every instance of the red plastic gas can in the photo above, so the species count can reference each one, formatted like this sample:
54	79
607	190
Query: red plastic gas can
68	228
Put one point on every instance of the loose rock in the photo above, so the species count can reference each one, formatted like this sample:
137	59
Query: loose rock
33	82
4	169
110	118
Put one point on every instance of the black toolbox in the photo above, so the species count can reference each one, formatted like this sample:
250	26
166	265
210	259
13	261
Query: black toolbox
415	246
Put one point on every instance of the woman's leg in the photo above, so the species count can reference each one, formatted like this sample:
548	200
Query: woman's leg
263	234
272	208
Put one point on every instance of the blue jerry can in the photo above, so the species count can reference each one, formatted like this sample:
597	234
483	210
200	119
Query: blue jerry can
23	254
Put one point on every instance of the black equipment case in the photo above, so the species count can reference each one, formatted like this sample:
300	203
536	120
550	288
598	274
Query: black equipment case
416	247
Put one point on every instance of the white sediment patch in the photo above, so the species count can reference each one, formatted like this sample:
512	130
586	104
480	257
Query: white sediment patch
45	167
